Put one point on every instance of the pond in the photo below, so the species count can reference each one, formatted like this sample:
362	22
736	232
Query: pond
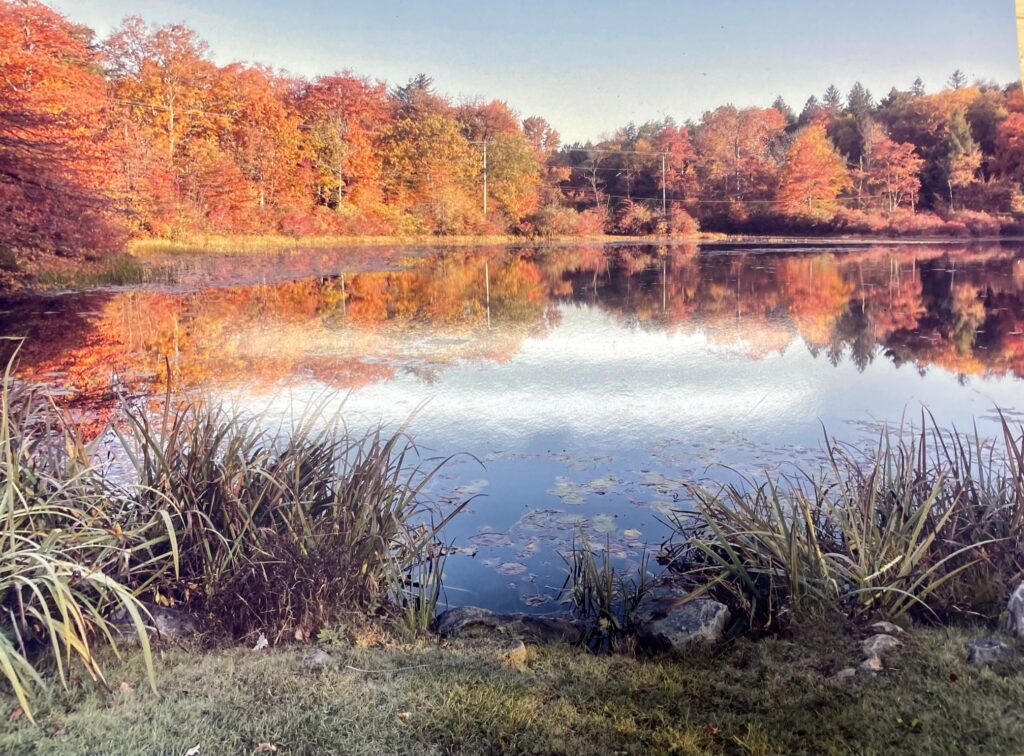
586	385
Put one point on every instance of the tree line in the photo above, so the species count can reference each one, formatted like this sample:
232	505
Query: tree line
142	134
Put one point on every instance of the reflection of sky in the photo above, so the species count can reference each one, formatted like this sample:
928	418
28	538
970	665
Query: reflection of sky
595	399
598	385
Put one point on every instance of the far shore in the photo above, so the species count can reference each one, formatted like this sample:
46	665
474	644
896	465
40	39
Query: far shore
244	244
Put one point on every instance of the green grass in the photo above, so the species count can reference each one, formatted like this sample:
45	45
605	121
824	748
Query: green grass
116	270
767	697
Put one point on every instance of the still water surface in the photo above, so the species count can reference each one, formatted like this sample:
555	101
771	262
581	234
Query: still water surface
590	384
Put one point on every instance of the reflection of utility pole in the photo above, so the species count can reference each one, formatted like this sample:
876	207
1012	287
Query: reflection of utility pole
664	282
487	286
664	204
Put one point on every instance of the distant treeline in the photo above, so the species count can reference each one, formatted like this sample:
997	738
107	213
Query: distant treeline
141	134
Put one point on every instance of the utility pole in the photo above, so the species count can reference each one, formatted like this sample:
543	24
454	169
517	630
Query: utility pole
664	204
1020	37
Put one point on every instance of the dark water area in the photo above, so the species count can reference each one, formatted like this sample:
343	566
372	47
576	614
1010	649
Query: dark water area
590	384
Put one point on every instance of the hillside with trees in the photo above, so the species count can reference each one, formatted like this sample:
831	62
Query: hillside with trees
142	134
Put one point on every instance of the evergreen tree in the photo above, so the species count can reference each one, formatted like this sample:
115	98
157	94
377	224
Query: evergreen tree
917	88
812	109
833	99
957	80
859	103
787	112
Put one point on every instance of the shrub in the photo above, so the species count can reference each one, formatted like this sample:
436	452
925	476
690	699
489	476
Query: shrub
288	530
682	223
590	222
932	525
635	219
73	552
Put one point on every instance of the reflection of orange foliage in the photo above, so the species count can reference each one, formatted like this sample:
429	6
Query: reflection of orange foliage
349	330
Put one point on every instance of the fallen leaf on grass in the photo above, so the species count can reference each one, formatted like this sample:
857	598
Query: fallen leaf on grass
266	748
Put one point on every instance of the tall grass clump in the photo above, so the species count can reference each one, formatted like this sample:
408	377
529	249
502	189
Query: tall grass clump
73	553
929	525
288	530
600	596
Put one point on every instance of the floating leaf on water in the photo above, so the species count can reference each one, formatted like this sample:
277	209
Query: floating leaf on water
490	540
572	520
511	568
662	507
491	562
537	521
568	491
468	490
603	523
535	599
602	484
631	533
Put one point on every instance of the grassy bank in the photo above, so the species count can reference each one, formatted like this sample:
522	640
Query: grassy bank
241	244
769	697
246	244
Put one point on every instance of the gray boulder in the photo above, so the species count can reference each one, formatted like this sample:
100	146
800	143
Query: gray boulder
888	628
880	645
162	621
667	619
1016	609
454	622
981	653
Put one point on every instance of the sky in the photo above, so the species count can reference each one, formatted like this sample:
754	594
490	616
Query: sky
591	67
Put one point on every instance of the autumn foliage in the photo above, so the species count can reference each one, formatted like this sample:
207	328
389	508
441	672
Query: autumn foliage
143	134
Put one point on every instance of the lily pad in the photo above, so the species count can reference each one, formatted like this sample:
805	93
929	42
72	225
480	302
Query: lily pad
511	568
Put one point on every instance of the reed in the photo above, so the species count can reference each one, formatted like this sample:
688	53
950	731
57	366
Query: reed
74	552
288	528
929	524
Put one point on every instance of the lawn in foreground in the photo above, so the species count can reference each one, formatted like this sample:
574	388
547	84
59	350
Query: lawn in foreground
771	696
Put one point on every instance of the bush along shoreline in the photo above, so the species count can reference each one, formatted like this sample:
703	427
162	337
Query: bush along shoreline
228	526
262	536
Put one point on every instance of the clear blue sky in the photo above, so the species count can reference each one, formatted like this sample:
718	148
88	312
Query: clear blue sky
591	66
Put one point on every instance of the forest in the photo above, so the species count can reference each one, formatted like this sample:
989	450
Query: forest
143	135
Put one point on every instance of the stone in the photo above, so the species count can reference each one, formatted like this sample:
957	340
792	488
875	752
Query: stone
450	623
872	665
514	655
880	645
667	619
887	628
163	621
847	675
981	653
1016	609
320	658
453	622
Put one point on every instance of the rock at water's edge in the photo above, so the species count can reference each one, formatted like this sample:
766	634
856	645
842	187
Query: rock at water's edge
167	622
880	645
452	622
987	651
1016	609
667	619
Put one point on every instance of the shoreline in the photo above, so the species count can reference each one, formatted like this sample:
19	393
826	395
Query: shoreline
246	244
760	697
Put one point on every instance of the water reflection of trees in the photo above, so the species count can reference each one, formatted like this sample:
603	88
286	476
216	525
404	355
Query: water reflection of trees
959	310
